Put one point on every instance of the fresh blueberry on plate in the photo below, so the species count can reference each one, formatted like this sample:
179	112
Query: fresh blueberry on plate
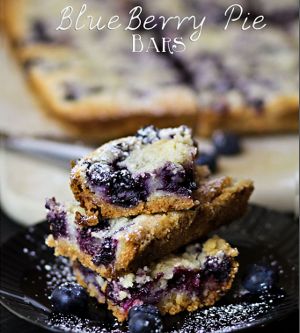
144	322
69	298
145	308
144	318
209	159
259	278
226	143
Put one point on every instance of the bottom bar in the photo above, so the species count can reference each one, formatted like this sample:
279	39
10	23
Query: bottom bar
196	277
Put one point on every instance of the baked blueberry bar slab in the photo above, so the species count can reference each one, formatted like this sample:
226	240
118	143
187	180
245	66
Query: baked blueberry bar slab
115	246
256	87
91	80
150	172
195	277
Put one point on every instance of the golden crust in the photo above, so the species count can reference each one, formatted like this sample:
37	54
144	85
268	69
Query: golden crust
91	203
178	302
278	116
220	202
174	303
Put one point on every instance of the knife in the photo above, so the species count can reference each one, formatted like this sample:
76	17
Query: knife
47	148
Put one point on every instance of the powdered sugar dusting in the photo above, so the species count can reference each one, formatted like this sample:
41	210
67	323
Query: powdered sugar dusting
58	273
224	318
75	324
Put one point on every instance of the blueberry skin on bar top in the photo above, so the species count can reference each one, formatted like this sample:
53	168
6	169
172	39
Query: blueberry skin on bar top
118	186
176	179
218	268
40	32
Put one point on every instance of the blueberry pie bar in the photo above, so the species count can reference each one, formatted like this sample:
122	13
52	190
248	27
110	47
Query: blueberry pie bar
150	172
257	88
91	80
195	277
114	246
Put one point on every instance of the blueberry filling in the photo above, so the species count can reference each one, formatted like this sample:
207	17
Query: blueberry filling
103	252
193	281
177	179
87	242
29	63
218	268
57	218
118	185
72	92
143	293
139	93
40	32
185	279
121	188
257	104
107	252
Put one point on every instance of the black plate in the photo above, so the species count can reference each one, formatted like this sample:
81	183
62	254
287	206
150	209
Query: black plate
29	272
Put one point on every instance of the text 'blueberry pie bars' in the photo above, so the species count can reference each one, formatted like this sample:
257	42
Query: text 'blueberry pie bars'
92	82
150	172
123	254
197	276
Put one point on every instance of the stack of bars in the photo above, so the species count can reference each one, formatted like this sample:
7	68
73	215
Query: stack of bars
133	237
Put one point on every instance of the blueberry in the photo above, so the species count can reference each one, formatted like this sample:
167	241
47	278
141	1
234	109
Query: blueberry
69	298
257	103
260	277
40	32
217	268
145	308
72	91
106	253
209	159
177	179
226	143
142	322
148	134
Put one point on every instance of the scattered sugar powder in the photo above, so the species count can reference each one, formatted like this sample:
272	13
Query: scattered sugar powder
223	318
58	273
75	324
